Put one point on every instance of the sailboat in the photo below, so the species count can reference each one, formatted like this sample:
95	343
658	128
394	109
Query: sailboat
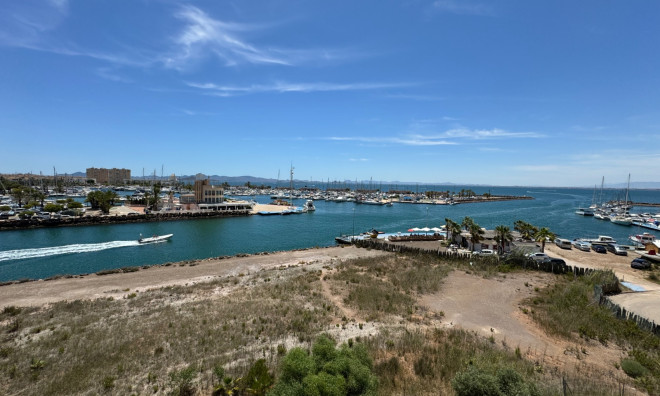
622	218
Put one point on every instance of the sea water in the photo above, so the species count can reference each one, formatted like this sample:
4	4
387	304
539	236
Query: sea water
46	252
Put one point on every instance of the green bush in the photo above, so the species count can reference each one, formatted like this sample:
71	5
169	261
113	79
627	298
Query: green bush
505	382
327	371
633	368
181	382
474	382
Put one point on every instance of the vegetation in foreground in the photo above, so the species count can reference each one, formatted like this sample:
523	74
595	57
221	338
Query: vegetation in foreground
568	309
255	333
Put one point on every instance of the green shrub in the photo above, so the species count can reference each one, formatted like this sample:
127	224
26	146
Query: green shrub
181	382
505	382
327	371
475	382
633	368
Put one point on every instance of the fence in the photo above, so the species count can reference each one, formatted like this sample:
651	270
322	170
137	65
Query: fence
600	291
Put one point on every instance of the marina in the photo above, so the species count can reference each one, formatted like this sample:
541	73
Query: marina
22	257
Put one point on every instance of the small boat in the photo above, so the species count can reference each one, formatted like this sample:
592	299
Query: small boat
621	220
585	211
309	205
155	238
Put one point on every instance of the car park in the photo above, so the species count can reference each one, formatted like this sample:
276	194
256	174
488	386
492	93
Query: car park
640	263
599	248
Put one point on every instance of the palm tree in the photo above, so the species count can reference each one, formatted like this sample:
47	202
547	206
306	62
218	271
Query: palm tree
526	230
542	235
18	193
467	223
503	235
453	229
475	234
38	196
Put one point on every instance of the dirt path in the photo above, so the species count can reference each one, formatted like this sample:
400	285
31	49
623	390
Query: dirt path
336	299
492	308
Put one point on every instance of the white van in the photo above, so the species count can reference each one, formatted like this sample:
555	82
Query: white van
563	243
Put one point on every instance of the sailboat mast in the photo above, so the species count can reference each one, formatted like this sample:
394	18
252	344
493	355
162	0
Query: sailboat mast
601	191
625	208
291	186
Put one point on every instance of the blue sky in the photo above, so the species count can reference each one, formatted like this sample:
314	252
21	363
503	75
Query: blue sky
556	93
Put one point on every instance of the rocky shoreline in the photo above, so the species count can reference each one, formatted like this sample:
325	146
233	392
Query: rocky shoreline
8	225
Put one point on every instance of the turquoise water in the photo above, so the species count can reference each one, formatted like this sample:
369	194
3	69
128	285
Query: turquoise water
42	253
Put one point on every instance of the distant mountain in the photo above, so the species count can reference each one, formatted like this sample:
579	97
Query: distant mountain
240	180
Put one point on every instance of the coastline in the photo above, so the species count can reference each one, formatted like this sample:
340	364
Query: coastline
126	215
92	286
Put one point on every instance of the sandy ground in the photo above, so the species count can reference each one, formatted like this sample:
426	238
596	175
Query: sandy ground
95	286
490	307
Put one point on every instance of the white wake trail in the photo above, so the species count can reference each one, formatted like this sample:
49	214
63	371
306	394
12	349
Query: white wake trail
67	249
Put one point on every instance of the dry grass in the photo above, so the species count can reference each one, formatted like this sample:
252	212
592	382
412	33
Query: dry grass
568	309
133	344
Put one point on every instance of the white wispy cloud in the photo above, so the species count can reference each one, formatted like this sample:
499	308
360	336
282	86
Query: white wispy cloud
110	74
358	159
487	134
406	141
450	137
231	90
421	98
463	7
582	128
204	35
24	23
427	128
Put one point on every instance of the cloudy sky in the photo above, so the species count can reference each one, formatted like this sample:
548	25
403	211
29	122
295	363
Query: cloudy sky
506	92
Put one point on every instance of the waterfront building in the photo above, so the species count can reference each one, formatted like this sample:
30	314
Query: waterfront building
109	176
211	197
205	192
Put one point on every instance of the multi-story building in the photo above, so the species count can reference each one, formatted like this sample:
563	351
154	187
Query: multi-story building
207	193
109	176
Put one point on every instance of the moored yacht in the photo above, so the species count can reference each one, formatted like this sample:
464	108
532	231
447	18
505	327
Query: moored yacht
642	239
585	211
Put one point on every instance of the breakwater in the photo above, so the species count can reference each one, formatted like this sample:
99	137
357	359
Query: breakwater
6	225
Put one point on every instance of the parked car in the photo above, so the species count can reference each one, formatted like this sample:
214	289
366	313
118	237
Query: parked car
538	256
640	263
558	261
616	249
599	248
584	246
485	252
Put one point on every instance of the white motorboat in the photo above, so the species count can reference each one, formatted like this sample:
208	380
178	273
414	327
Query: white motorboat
642	239
621	220
155	238
309	205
